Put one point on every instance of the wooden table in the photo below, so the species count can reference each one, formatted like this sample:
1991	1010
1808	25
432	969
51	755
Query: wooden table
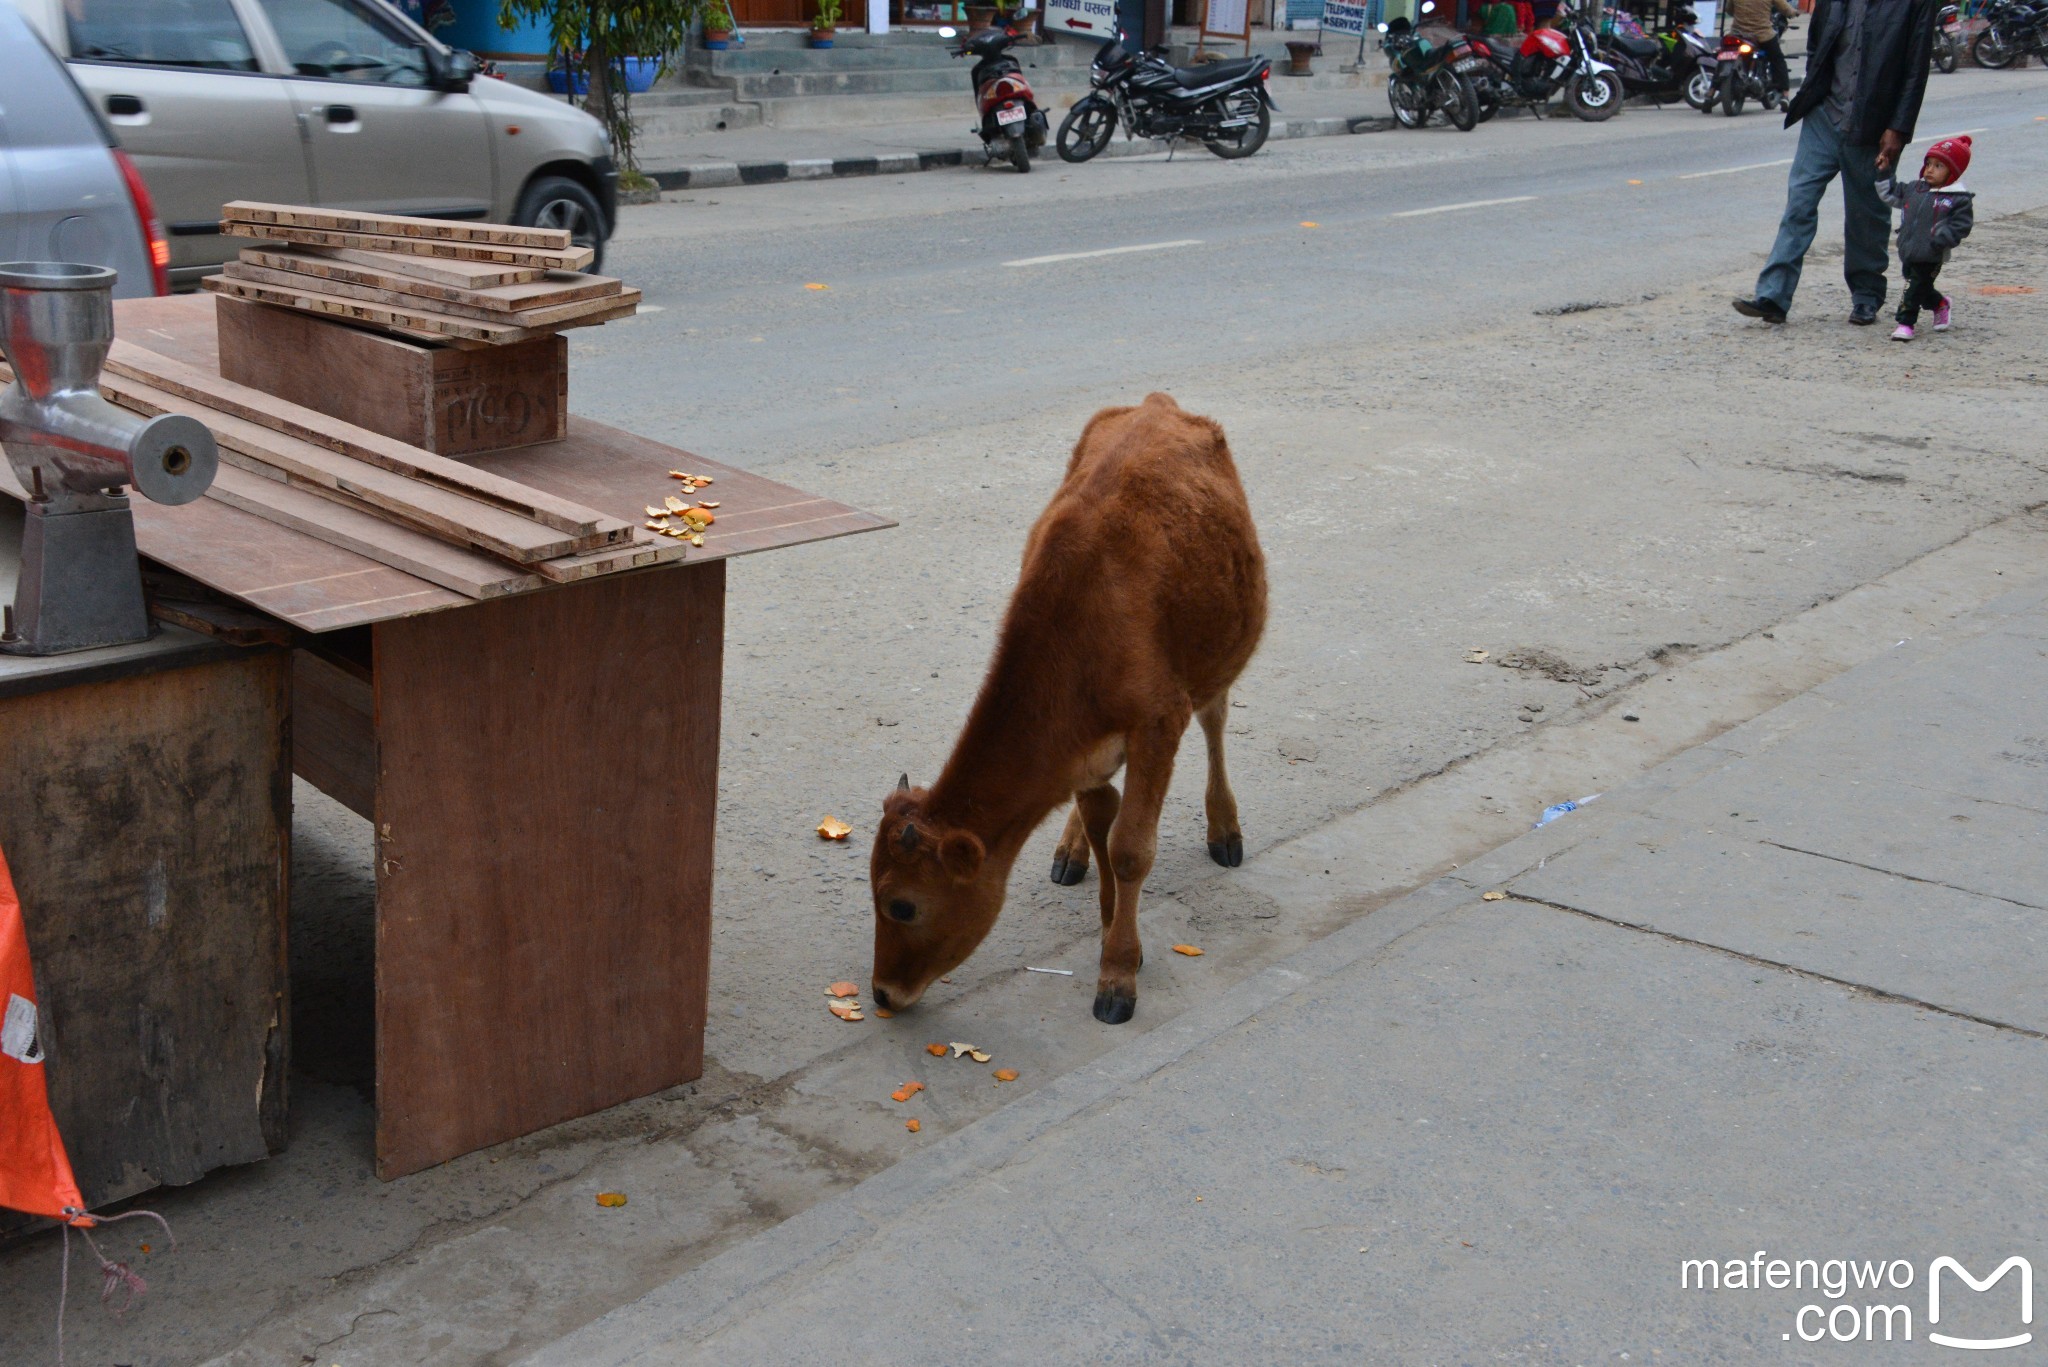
541	770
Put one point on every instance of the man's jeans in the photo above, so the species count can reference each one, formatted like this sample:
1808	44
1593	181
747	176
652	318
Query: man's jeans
1866	222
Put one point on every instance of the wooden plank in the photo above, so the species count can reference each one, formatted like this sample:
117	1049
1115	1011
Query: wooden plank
394	225
562	880
334	732
296	420
293	296
468	275
453	403
647	550
539	313
459	521
148	821
417	553
555	287
574	259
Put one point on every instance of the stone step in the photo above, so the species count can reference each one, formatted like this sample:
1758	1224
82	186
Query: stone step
833	84
923	56
715	117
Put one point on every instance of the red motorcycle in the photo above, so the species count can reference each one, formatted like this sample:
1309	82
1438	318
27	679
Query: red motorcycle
1010	117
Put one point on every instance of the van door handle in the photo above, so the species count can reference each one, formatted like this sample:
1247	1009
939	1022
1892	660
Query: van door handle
124	106
341	113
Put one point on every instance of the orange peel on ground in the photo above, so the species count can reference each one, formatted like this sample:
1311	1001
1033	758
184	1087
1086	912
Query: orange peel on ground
845	1010
1006	1075
936	1050
832	828
611	1200
842	989
1189	950
913	1125
906	1091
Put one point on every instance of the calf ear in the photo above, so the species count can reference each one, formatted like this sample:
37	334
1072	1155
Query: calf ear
903	784
961	854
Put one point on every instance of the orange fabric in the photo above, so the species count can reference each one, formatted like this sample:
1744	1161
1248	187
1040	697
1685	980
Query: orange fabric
35	1173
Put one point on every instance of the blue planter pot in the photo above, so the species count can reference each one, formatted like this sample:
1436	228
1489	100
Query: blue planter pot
476	30
640	74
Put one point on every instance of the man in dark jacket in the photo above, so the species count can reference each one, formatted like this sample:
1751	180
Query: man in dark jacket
1866	69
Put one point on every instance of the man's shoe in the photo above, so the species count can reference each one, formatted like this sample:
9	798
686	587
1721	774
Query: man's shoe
1941	316
1766	309
1903	333
1863	312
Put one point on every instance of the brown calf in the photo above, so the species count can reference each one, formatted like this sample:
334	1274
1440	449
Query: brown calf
1142	596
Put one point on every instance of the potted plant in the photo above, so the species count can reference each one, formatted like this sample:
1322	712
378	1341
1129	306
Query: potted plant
980	17
718	28
617	47
826	25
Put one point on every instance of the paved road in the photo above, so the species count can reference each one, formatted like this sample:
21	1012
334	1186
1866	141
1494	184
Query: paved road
926	326
1433	468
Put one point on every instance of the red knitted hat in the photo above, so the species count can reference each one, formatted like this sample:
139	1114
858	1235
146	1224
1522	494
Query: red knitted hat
1953	153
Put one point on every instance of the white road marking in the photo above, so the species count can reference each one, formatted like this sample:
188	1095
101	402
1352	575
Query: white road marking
1468	204
1731	170
1106	251
1960	132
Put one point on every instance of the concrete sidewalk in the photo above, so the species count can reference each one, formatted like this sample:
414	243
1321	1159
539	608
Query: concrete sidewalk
762	155
1781	994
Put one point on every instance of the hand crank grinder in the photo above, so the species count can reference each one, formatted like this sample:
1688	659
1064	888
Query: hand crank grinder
81	582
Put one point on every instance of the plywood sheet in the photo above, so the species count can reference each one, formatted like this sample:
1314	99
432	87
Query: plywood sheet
395	225
547	781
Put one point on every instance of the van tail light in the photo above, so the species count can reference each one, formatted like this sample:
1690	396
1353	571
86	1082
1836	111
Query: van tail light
152	226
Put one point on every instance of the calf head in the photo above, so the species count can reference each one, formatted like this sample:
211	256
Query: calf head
936	895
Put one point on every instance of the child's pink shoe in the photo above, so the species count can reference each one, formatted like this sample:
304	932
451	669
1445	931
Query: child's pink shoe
1903	333
1941	316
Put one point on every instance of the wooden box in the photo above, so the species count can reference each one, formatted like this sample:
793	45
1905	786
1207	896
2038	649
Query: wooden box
146	811
451	401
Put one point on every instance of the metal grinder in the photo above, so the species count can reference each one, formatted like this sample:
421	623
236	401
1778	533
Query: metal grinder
81	582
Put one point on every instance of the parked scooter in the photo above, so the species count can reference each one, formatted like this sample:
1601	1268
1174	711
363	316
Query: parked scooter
2012	29
1946	49
1551	61
1678	67
1422	81
1223	105
1011	124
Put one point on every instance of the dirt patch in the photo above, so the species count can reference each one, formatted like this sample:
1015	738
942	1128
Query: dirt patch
1551	665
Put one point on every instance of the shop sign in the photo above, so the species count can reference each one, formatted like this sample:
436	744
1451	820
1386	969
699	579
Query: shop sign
1088	18
1342	16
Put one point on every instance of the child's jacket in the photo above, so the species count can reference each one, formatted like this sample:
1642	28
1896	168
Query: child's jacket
1932	220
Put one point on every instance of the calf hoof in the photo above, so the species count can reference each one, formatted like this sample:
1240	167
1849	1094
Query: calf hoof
1067	872
1114	1008
1229	853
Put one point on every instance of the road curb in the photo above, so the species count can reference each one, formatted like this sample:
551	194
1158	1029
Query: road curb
705	175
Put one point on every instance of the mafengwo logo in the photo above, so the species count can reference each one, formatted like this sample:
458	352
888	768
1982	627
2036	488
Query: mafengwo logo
1860	1301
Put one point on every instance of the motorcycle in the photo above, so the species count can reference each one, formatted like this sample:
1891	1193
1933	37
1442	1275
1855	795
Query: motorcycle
2012	29
1422	82
1740	78
1011	121
1945	51
1679	67
1550	60
1223	105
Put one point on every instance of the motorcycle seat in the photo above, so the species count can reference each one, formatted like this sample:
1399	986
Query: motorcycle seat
1209	73
1646	48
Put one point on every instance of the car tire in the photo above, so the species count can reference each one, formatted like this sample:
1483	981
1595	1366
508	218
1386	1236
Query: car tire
559	202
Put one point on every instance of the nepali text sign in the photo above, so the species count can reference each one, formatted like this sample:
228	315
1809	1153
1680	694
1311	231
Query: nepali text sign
1089	18
1341	16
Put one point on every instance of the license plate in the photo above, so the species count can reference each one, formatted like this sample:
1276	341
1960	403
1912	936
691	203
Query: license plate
1728	57
1468	64
1013	114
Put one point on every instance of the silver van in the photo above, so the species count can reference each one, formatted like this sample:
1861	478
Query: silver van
66	192
341	103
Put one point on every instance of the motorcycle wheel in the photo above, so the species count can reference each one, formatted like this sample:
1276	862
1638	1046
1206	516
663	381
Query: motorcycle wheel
1594	99
1731	100
1250	139
1945	54
1406	100
1086	130
1989	51
1020	155
1487	99
1699	92
1457	101
1772	98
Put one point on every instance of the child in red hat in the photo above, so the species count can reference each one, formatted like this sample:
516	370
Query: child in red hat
1935	216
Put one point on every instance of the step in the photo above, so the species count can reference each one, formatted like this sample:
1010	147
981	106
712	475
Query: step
759	57
833	84
716	117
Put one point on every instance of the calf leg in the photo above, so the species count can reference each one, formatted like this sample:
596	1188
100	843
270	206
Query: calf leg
1070	856
1133	841
1226	839
1096	809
